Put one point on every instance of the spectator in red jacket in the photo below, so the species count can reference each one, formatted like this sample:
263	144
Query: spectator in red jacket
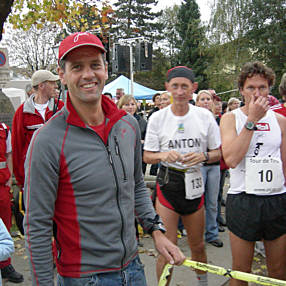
31	115
7	270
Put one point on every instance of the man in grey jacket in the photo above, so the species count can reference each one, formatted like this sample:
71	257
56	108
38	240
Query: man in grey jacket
83	182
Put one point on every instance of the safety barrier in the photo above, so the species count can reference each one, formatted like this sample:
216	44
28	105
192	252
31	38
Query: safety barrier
223	272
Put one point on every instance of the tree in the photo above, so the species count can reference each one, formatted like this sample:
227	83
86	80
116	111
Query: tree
223	67
247	30
134	18
169	21
192	40
5	10
267	34
229	44
62	12
32	50
44	16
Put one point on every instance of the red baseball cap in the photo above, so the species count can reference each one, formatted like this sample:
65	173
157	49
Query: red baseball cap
77	40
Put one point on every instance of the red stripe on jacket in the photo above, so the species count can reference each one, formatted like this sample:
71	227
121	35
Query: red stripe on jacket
66	214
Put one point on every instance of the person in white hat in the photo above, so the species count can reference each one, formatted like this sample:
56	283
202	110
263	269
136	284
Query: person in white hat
29	117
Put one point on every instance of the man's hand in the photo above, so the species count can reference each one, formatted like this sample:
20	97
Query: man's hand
257	108
166	248
171	156
9	183
193	158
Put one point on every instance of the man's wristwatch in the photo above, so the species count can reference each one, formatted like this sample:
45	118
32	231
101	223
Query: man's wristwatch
158	226
249	125
206	154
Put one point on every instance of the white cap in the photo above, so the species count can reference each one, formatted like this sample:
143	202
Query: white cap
42	76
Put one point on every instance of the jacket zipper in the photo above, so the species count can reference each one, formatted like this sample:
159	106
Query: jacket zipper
117	150
117	198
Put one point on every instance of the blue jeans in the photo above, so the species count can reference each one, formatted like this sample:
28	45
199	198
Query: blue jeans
221	185
133	275
211	175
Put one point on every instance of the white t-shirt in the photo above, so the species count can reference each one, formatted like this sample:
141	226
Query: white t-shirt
41	108
8	139
259	172
8	143
196	131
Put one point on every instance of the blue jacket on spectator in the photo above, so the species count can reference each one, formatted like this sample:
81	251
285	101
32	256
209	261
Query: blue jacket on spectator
6	244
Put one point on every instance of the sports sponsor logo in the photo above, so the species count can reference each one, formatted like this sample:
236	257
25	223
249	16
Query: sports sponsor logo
263	127
181	128
76	37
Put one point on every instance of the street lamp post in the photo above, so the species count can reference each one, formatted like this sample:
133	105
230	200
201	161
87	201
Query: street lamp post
131	70
130	43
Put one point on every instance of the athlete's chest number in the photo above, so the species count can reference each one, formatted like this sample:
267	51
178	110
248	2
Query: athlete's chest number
266	176
263	175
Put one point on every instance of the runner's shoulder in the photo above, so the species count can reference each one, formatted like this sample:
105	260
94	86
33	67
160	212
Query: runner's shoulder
227	118
281	120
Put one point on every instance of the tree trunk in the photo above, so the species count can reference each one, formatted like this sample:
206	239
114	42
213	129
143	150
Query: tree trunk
5	10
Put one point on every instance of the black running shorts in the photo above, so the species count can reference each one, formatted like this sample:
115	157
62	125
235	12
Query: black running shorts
253	218
171	192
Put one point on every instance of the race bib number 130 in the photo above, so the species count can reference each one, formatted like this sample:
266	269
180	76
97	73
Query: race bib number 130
194	184
264	175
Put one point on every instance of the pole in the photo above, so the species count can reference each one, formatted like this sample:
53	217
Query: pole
227	91
131	70
130	42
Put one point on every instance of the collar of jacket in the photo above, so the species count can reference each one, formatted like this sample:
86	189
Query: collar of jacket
29	106
111	112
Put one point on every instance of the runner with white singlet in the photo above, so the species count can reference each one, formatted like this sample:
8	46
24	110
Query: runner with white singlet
254	147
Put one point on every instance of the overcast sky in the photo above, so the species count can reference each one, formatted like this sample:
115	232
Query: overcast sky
203	4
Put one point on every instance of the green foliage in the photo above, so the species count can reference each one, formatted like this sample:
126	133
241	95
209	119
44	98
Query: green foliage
82	15
228	20
134	18
90	20
246	30
239	31
169	21
32	49
228	44
192	52
156	78
224	65
267	34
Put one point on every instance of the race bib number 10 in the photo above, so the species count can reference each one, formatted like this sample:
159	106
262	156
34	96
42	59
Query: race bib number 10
264	175
194	184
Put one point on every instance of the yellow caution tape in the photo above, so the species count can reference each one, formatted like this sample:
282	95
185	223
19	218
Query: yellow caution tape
21	209
223	272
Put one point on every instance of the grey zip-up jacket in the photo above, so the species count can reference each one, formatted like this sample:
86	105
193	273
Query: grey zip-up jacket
90	188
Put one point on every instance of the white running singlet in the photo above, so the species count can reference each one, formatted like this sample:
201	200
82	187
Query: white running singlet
260	172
